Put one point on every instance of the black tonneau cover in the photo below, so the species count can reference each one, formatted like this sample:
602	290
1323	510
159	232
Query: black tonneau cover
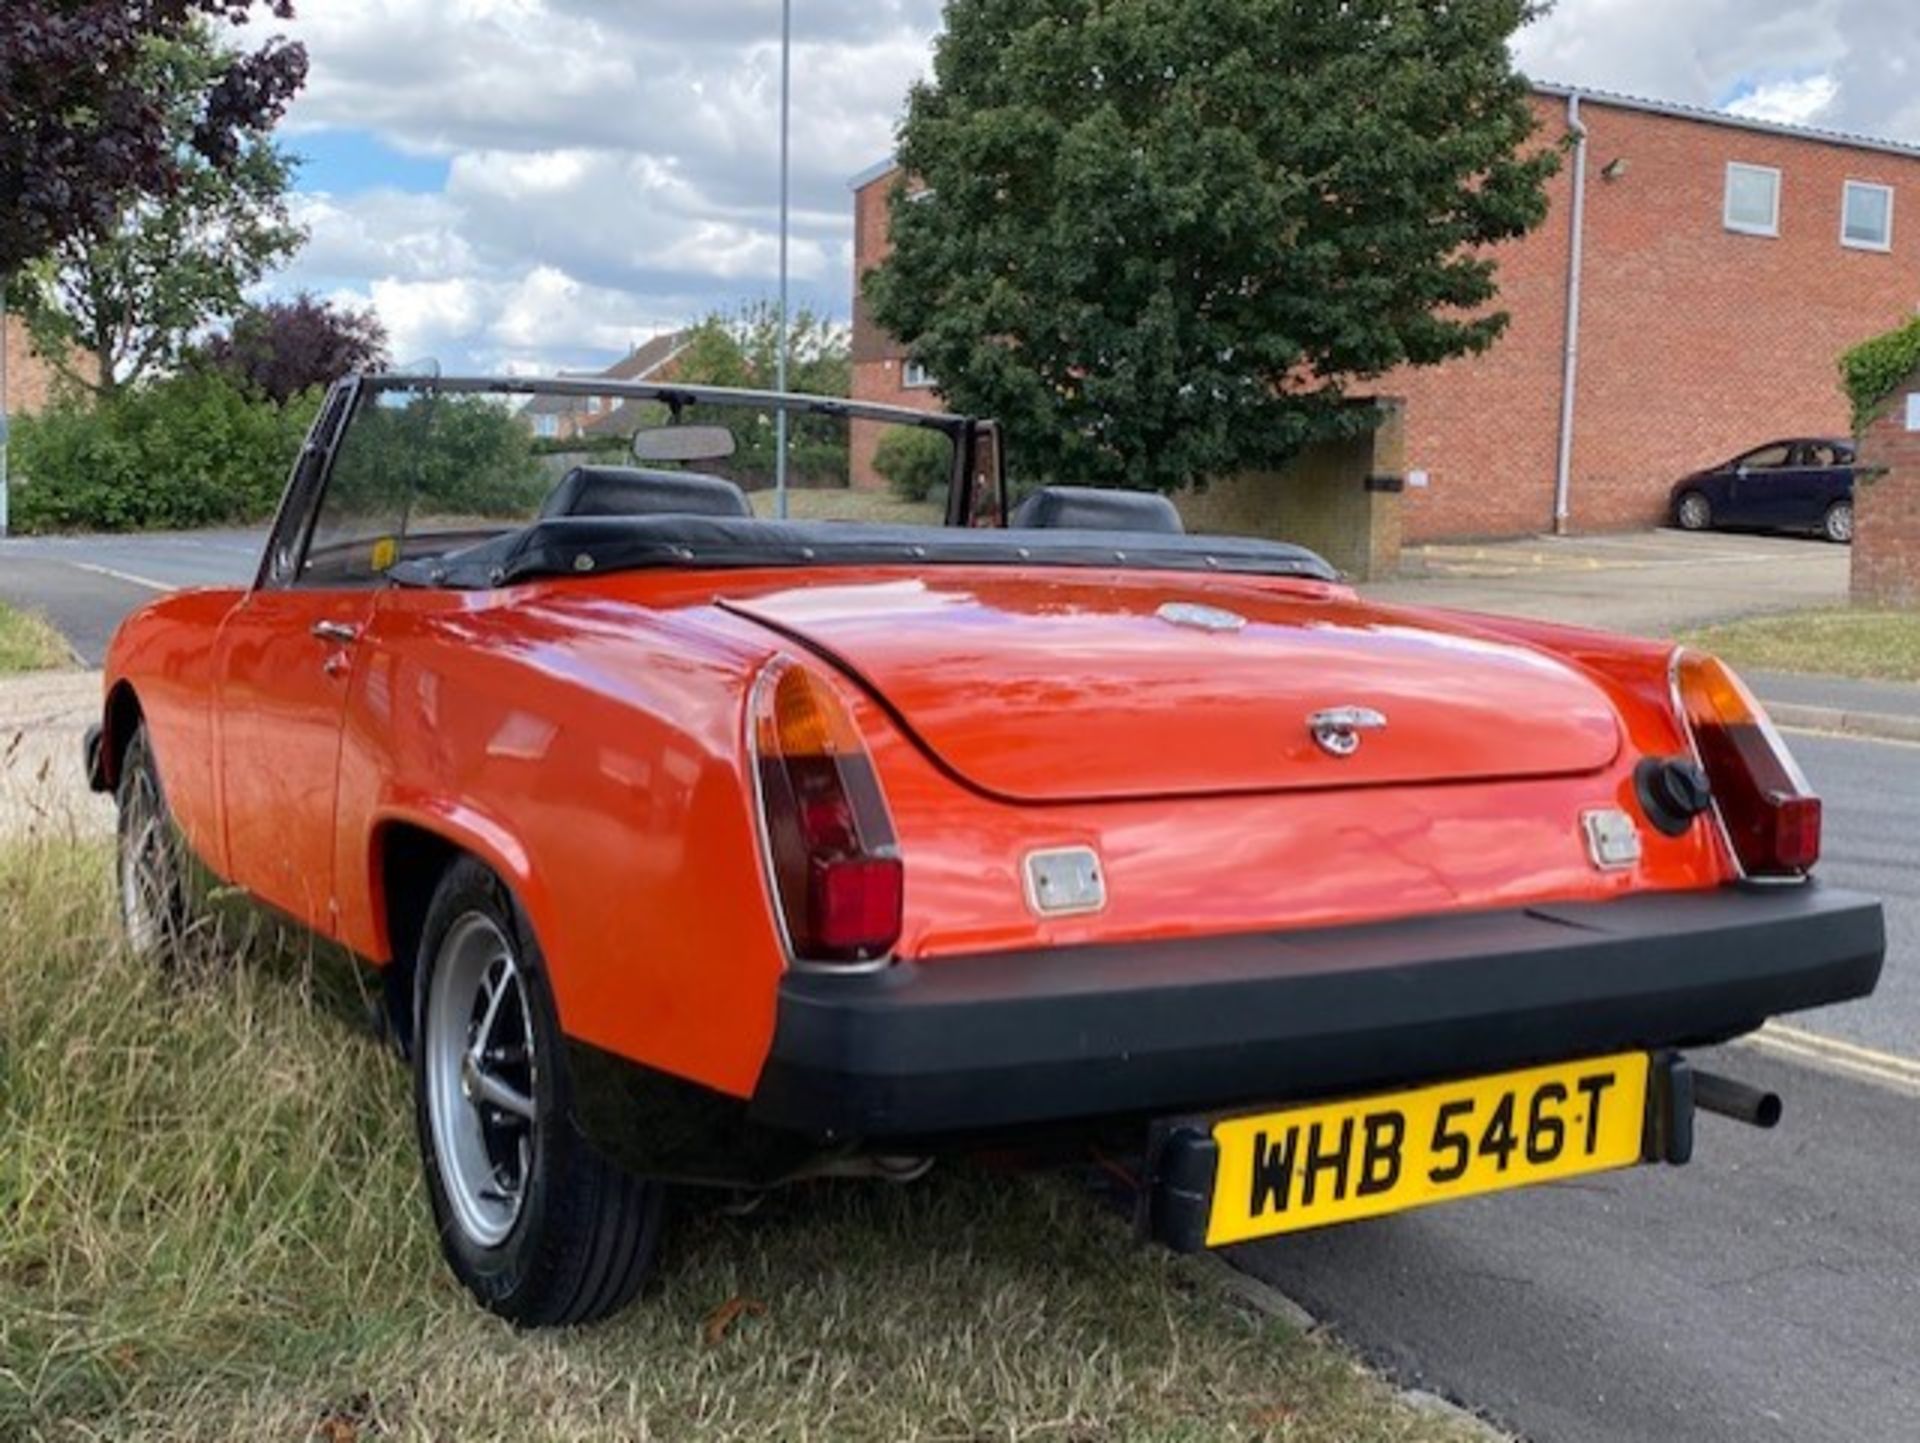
583	545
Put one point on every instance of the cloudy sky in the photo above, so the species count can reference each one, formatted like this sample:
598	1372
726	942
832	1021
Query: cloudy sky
526	184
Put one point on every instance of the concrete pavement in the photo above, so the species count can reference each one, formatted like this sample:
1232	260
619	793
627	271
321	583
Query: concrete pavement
1647	583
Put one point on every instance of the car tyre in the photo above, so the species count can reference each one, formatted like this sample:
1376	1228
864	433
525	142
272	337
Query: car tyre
1694	513
1837	524
157	911
536	1225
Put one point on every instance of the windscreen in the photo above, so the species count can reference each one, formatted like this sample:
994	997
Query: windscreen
422	472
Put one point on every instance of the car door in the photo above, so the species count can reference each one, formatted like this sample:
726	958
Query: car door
286	658
1796	495
1752	493
1829	478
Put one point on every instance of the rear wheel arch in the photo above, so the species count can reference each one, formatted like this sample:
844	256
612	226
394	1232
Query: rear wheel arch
408	861
120	719
407	858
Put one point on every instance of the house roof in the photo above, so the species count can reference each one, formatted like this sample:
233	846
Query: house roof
1707	116
639	364
880	169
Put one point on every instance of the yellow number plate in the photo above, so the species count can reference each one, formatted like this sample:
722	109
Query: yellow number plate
1306	1167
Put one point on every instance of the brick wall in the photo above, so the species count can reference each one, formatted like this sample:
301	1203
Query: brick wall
29	379
1696	342
1886	510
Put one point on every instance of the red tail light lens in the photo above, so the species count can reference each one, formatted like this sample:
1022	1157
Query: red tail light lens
836	868
1771	815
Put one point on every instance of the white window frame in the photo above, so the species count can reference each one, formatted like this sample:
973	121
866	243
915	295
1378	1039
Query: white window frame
1726	204
914	376
1846	200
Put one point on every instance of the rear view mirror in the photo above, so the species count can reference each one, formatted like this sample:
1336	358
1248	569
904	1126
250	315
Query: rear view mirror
683	443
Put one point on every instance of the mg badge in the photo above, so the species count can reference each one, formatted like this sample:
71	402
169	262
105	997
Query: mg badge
1200	618
1338	730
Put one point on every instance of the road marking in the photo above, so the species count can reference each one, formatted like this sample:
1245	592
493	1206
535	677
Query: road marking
127	576
1825	734
1868	1064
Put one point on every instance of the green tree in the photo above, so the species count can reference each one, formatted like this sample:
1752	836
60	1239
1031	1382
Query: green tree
116	303
742	348
1160	239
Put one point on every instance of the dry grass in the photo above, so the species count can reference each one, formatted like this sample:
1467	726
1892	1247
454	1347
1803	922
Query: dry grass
211	1228
1879	645
27	643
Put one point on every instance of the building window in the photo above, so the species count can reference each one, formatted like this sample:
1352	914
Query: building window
915	377
546	426
1866	216
1753	199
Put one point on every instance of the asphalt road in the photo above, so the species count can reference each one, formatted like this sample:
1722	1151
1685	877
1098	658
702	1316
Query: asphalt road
84	585
1769	1290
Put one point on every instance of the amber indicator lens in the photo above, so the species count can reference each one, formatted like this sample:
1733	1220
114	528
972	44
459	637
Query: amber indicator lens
1771	814
836	867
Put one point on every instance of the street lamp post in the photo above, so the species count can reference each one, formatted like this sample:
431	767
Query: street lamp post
780	360
3	406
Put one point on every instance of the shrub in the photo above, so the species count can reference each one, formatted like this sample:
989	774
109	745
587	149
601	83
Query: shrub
190	451
1874	370
914	462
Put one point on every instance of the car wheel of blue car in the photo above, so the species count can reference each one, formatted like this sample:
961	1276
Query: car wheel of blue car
1694	513
1838	525
539	1227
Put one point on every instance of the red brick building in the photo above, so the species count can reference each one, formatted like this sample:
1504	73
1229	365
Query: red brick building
1722	266
29	380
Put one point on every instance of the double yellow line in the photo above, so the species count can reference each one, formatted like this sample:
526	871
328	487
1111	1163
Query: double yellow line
1869	1064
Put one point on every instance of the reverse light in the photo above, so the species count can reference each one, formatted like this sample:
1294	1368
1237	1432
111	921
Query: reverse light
835	866
1771	815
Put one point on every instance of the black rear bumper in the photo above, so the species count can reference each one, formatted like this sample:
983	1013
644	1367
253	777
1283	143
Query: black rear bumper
975	1045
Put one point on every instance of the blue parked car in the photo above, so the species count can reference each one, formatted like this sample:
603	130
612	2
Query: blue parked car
1802	485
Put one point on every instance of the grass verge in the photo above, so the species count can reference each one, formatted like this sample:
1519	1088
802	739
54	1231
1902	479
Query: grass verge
211	1228
27	643
847	505
1878	645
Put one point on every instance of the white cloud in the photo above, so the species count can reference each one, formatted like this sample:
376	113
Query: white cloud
612	166
1788	102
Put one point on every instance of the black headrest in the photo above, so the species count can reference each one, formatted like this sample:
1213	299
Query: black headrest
629	491
1086	508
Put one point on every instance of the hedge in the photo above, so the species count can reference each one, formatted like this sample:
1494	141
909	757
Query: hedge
1874	370
185	452
916	463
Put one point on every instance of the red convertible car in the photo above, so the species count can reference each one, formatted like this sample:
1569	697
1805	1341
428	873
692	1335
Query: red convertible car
702	848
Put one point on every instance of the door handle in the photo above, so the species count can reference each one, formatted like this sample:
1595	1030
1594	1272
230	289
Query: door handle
339	633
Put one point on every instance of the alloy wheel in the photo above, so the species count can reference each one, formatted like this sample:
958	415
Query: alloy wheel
150	880
1840	522
1695	513
481	1078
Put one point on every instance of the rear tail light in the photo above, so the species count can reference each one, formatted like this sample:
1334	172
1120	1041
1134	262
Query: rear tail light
1771	815
835	867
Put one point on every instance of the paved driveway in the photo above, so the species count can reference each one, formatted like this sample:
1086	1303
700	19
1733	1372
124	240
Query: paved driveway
1647	583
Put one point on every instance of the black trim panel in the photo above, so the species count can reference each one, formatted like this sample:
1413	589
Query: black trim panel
1010	1040
94	759
573	545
